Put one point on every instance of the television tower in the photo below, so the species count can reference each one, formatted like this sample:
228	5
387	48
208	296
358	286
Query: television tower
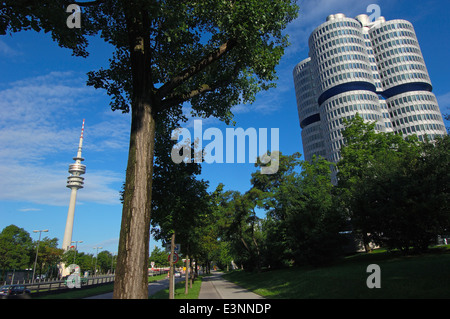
74	182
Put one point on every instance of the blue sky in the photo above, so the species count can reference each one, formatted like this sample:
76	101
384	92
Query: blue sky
44	99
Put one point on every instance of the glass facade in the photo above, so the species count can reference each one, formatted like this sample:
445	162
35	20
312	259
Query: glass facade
375	69
308	110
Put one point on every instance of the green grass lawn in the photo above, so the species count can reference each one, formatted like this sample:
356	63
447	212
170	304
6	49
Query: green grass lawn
423	276
180	291
76	293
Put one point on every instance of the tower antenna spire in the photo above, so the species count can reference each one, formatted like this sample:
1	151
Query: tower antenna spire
80	145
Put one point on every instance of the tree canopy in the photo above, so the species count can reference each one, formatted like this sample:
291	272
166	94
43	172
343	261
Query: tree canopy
16	247
395	189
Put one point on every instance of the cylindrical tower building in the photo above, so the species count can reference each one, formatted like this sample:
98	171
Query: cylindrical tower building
75	181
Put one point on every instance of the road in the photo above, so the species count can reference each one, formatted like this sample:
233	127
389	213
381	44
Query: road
153	288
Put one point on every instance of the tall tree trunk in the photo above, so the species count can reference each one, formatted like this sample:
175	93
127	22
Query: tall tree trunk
132	261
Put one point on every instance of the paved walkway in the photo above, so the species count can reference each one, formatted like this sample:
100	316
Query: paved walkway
215	287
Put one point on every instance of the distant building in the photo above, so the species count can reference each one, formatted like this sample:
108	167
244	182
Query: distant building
375	69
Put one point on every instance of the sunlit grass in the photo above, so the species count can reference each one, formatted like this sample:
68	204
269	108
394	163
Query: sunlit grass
180	291
422	276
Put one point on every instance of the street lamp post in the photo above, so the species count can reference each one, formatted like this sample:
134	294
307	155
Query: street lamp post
37	249
96	257
76	248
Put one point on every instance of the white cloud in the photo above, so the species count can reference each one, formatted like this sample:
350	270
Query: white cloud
6	50
267	102
35	113
112	133
40	123
46	185
29	210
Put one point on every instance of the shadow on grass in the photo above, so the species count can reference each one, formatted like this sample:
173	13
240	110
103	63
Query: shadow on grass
418	276
180	291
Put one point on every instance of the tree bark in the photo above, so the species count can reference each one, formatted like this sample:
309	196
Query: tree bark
132	264
131	280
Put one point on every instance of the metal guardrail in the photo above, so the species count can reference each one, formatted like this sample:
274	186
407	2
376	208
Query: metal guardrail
60	285
161	271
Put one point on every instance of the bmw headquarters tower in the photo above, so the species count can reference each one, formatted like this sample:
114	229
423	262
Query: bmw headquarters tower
375	69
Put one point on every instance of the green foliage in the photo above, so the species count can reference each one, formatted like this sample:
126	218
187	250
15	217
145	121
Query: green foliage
104	260
159	257
313	220
223	257
16	248
277	250
213	53
18	251
85	261
301	223
49	256
275	198
416	210
213	228
49	16
395	189
180	201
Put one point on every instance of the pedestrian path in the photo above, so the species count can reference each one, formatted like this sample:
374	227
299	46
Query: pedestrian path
215	287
